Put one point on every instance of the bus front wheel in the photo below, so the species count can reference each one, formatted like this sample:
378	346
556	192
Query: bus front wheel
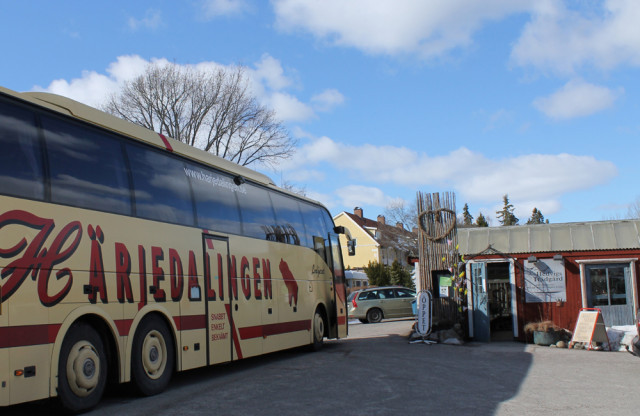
82	369
153	357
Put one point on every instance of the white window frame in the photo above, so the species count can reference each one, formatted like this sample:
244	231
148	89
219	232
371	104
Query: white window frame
583	276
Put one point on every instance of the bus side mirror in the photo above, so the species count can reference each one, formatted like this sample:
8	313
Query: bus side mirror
351	242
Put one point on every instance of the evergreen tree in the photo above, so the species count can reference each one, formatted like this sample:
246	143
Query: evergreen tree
400	276
537	217
481	221
378	274
467	218
506	215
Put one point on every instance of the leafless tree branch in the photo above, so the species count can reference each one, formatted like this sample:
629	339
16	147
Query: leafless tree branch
212	110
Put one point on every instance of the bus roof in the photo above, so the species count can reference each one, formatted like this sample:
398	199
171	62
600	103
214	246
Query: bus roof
91	115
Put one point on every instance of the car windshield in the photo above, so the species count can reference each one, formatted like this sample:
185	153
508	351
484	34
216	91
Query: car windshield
351	296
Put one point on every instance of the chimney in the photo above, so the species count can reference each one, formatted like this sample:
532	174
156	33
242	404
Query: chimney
357	211
400	225
381	219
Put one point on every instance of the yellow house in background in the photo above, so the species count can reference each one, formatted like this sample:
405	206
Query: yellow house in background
376	241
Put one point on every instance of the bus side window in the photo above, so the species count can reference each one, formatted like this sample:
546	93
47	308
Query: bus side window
21	157
289	220
318	247
161	189
215	197
87	167
258	219
315	229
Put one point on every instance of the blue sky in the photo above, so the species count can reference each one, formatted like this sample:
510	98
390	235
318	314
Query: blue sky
535	99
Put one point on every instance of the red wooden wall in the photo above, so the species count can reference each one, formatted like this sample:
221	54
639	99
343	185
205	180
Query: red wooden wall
563	314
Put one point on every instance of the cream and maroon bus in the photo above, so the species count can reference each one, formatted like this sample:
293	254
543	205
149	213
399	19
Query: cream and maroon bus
126	256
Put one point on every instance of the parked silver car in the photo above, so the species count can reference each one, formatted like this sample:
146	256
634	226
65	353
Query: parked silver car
378	303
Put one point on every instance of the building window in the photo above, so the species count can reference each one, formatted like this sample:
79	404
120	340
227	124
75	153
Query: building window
606	284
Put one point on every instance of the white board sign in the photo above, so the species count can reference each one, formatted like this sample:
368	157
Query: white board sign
424	313
545	281
590	329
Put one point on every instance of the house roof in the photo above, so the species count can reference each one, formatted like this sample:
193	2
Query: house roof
576	236
389	235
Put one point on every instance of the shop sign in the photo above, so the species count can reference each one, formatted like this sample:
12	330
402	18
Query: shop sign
545	281
424	313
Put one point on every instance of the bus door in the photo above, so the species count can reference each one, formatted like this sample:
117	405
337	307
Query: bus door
234	306
337	325
217	300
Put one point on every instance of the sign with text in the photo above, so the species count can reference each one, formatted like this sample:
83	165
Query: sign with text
424	313
590	329
544	281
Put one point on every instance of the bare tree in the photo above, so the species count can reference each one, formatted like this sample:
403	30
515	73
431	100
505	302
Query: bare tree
633	212
399	211
300	190
213	110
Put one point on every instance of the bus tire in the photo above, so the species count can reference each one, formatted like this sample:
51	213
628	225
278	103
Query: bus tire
82	368
153	356
319	325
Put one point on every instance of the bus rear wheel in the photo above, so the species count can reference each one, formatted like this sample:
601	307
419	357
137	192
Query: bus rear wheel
82	369
318	328
153	357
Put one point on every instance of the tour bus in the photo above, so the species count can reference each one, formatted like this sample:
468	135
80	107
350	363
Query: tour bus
126	255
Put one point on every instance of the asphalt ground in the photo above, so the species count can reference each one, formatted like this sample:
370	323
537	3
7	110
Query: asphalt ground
376	371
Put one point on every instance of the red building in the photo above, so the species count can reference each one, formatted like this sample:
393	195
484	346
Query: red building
532	273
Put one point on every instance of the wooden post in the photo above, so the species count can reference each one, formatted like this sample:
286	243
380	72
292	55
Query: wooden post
438	240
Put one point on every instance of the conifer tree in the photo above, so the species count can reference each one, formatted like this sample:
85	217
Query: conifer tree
467	218
506	215
378	274
400	276
481	221
537	217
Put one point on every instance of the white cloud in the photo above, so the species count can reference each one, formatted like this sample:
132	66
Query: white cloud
267	79
562	40
357	195
577	99
327	200
534	180
269	70
93	88
397	27
288	107
216	8
152	20
327	100
561	36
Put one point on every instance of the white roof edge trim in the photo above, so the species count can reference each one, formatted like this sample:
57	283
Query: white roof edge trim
608	260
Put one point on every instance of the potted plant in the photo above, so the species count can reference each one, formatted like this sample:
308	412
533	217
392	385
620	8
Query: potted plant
545	332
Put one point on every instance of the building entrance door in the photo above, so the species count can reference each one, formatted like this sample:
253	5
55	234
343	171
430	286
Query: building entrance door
499	300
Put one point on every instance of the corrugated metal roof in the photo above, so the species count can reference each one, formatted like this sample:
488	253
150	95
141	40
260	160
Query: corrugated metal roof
575	236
